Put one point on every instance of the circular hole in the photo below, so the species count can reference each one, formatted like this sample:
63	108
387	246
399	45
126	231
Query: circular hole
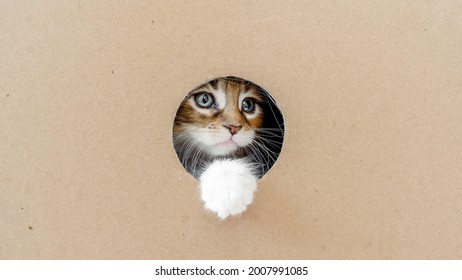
228	117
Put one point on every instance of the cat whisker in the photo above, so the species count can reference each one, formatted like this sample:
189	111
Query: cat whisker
269	134
196	159
268	139
256	157
272	155
259	150
268	129
270	144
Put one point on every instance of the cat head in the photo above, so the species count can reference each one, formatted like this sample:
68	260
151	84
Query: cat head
227	117
221	116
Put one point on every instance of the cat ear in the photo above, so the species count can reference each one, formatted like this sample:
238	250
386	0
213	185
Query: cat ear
227	186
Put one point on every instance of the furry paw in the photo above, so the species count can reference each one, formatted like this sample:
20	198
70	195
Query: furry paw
227	187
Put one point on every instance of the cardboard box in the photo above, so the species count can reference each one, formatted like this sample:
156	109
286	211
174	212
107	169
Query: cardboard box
370	90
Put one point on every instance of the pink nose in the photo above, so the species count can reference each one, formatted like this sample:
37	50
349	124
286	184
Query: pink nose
233	129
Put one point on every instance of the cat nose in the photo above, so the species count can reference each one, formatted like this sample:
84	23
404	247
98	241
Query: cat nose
233	129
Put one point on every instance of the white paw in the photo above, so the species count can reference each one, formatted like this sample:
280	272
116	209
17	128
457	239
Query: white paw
227	187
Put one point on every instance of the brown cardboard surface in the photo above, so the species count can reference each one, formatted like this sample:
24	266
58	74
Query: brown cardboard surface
372	97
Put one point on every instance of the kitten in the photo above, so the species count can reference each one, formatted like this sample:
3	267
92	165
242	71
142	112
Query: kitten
228	133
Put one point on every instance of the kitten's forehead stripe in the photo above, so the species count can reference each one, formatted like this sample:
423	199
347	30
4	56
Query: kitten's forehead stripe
247	86
251	93
214	84
232	97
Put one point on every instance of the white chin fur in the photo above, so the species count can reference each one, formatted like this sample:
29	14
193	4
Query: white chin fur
227	187
222	149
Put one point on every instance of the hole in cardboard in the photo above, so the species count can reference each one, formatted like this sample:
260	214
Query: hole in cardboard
228	117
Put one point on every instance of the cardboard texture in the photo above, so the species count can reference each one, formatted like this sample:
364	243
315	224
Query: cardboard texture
370	90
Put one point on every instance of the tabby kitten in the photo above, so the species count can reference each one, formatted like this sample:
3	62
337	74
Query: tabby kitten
228	133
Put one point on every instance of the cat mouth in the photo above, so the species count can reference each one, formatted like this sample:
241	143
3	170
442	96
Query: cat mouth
229	142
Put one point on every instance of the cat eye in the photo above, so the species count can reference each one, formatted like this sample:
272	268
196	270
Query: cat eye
248	105
204	99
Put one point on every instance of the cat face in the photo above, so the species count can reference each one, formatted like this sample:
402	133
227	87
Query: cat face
220	117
